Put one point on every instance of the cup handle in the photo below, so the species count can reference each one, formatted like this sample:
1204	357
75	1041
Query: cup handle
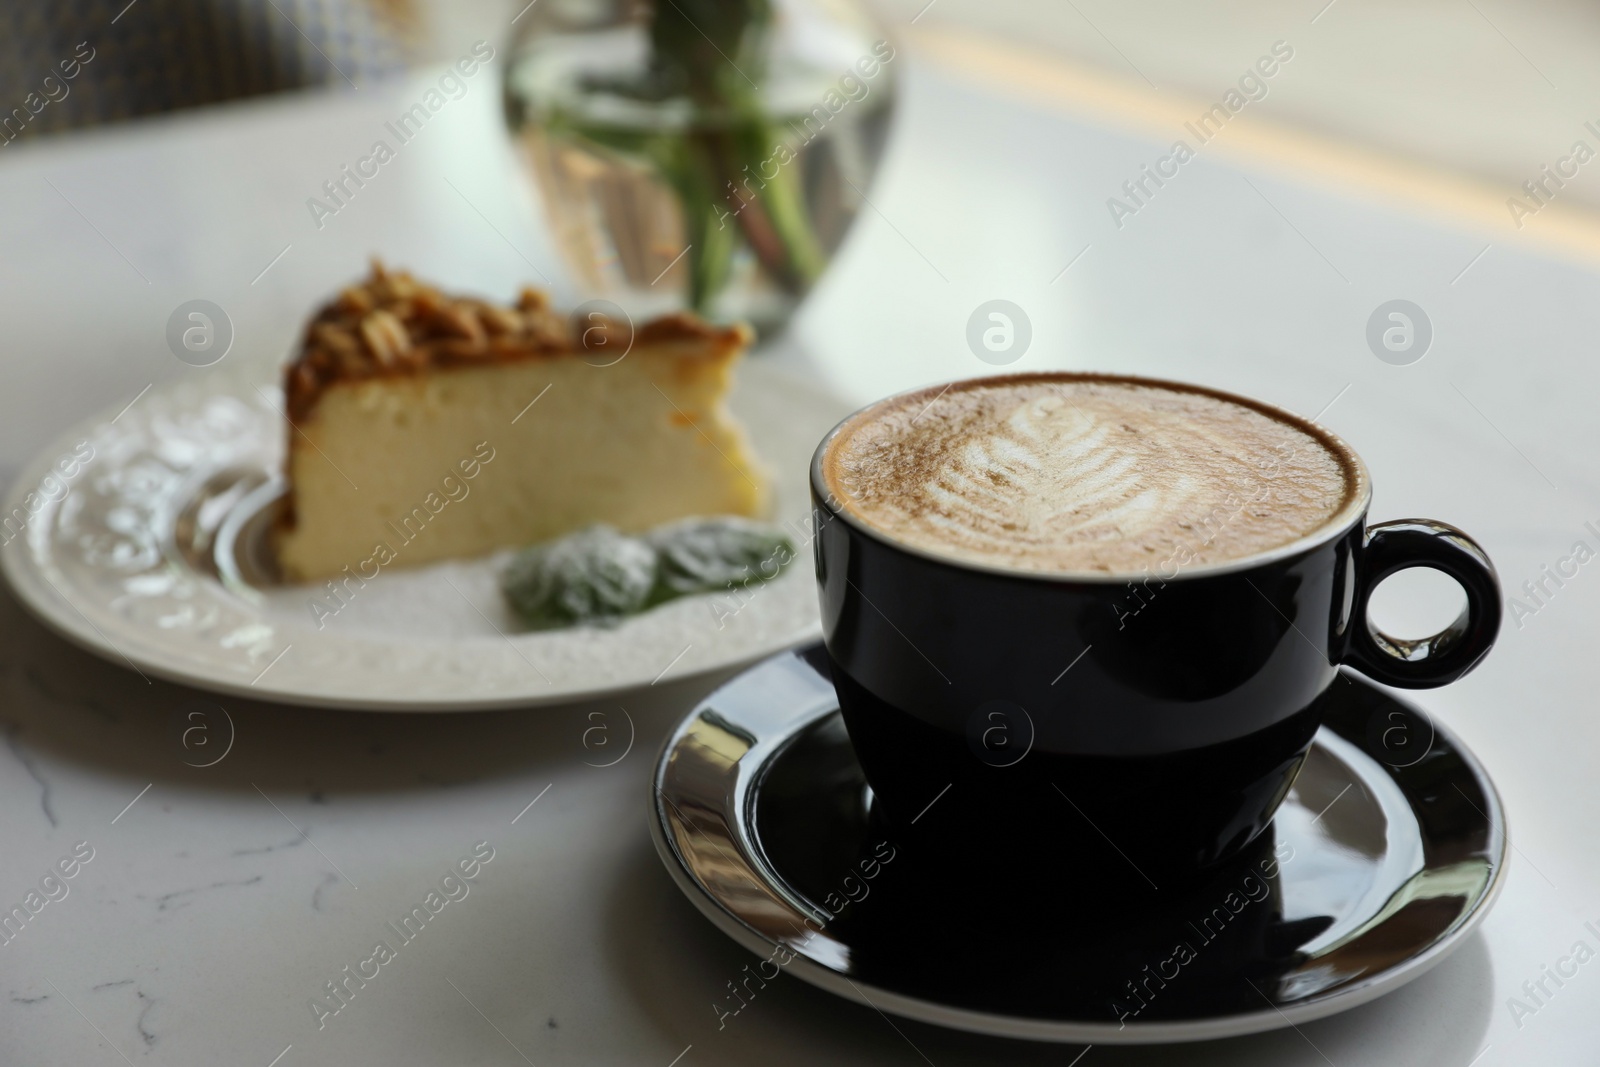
1453	651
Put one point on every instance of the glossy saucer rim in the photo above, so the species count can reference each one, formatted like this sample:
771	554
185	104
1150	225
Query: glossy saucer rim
738	801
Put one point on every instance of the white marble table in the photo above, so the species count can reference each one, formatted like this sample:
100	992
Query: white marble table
205	920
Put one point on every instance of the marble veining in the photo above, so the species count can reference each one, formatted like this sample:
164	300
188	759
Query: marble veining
165	902
31	766
328	879
293	842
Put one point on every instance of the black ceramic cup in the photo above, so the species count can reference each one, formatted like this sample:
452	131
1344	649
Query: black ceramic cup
1161	716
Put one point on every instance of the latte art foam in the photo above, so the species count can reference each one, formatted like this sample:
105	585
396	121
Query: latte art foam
1072	474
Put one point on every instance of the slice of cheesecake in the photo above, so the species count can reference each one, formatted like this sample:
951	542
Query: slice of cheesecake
424	427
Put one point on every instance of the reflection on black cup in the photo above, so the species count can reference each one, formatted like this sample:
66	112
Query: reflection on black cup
1157	722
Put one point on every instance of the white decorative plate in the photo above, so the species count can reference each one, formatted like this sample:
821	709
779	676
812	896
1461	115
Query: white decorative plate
150	558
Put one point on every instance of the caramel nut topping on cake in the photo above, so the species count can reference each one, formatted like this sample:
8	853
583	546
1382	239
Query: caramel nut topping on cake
391	325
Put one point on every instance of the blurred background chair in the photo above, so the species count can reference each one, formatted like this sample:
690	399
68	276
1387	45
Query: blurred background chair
114	60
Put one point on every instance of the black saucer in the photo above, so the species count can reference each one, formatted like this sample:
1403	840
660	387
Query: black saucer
1386	854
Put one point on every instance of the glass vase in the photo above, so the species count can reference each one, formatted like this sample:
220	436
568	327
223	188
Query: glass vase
700	154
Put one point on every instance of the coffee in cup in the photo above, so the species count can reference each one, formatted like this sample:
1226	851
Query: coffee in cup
1098	476
1103	609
